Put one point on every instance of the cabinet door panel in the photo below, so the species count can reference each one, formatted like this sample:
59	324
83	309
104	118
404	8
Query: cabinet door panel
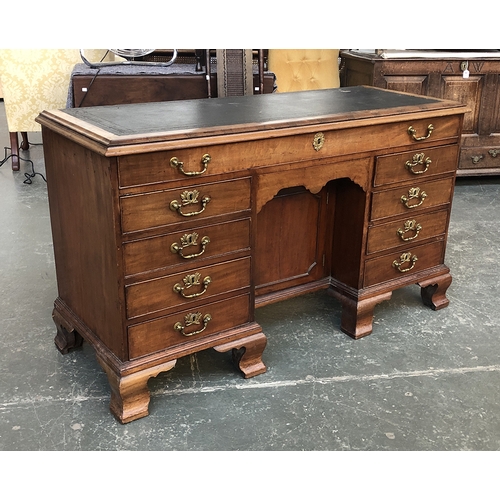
289	241
469	91
405	83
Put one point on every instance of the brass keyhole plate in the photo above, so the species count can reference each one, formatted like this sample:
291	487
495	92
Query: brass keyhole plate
318	141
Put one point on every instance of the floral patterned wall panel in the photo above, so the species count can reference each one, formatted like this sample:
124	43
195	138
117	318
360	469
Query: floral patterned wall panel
33	80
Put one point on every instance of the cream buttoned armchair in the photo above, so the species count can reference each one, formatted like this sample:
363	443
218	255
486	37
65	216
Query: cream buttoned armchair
304	69
33	80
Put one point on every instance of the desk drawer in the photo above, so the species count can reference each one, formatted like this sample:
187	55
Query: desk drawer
400	232
186	247
151	168
415	165
198	284
160	208
413	260
411	198
156	167
188	326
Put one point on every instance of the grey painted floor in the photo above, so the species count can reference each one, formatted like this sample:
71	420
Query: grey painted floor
424	380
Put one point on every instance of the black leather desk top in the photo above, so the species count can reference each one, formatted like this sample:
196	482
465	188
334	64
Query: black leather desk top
265	111
150	126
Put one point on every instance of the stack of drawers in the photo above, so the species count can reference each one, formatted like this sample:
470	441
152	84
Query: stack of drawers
410	209
186	252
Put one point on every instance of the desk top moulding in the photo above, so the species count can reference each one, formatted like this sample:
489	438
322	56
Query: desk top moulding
173	221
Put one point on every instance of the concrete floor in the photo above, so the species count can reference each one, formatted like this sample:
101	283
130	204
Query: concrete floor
424	380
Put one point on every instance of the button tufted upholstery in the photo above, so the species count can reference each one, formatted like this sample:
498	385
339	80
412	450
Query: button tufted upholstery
304	69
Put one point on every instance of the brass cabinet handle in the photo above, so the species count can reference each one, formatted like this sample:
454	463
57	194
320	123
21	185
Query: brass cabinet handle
417	160
192	280
494	152
189	198
176	163
188	240
413	194
476	159
404	259
410	225
192	319
413	133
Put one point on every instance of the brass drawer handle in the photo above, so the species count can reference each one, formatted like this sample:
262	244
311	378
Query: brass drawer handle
176	163
192	319
189	240
413	194
410	225
192	280
417	160
494	152
404	259
413	133
189	198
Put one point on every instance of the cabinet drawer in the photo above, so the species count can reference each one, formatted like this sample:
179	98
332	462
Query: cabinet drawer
480	157
160	208
151	168
415	165
413	260
198	284
188	326
400	232
186	247
411	198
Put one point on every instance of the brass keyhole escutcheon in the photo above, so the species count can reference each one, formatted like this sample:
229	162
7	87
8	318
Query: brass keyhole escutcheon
318	141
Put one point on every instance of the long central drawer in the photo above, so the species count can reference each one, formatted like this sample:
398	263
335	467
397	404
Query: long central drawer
318	144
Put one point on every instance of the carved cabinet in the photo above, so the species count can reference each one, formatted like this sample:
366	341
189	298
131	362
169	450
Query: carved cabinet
470	77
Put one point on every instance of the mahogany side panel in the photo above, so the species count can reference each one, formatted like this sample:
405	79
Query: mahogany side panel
83	204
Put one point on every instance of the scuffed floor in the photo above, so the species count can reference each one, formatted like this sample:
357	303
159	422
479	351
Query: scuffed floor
424	380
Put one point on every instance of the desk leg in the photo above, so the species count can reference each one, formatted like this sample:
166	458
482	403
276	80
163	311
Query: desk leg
357	314
247	354
130	395
67	338
433	291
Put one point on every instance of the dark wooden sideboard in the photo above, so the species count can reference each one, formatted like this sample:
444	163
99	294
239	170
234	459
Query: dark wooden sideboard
172	221
471	77
138	84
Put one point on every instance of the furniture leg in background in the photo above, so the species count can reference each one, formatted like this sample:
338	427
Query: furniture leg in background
14	147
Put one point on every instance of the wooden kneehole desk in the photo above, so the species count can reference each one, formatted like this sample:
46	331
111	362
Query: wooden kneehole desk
172	221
